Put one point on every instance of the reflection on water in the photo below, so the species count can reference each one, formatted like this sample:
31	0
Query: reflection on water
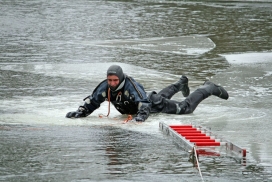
103	153
65	153
38	36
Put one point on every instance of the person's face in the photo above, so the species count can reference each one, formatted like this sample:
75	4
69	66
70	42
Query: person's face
113	81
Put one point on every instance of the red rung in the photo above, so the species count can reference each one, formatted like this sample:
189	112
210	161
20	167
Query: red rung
202	140
180	126
197	137
207	143
183	129
192	134
188	131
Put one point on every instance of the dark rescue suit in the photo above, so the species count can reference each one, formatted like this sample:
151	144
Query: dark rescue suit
130	99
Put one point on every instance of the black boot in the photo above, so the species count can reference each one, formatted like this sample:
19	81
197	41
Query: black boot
182	86
216	90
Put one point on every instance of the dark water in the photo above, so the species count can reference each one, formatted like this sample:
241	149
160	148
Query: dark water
48	62
81	153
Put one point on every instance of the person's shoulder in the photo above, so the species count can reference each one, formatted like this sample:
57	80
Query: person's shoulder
130	78
101	86
132	82
103	83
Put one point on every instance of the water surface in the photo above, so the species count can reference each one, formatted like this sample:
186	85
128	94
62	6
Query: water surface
53	54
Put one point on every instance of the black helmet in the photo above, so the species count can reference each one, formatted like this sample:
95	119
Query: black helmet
116	70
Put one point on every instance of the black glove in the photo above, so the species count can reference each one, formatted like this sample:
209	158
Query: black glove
138	119
81	112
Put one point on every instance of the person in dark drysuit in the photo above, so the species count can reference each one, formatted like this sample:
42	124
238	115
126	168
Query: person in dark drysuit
129	96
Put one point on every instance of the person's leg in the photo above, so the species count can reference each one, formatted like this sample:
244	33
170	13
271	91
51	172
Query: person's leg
164	105
191	102
180	85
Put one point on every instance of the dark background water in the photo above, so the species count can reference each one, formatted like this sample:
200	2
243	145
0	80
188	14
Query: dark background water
65	33
37	30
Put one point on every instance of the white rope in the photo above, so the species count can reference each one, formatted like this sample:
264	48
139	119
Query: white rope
198	164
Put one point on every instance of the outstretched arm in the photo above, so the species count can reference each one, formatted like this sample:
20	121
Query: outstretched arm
89	106
92	102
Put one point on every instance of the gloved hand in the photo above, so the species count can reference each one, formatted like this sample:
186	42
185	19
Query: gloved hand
138	119
81	112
